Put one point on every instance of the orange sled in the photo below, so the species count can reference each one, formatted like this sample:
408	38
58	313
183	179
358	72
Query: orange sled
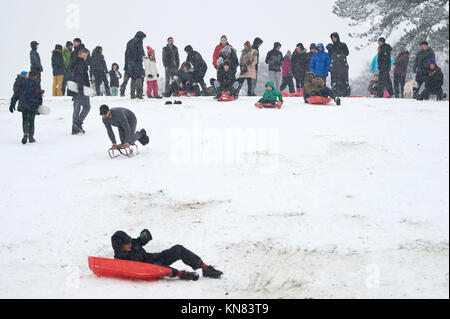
115	268
319	100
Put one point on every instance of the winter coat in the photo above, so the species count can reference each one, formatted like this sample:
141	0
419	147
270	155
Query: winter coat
249	59
320	62
232	57
299	63
135	48
217	51
30	97
275	60
98	64
170	57
17	89
151	70
286	68
78	73
384	58
434	79
401	64
197	62
421	61
272	95
313	85
123	119
226	79
35	61
374	66
66	56
187	78
255	46
75	52
137	252
115	76
338	53
58	63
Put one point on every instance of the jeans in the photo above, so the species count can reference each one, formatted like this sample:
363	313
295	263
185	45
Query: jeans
169	76
28	122
114	91
99	79
427	92
399	84
275	77
123	87
81	108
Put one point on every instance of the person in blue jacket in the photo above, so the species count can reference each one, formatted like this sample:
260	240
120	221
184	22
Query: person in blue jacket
320	63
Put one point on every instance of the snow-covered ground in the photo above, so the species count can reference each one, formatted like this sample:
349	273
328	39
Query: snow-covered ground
303	202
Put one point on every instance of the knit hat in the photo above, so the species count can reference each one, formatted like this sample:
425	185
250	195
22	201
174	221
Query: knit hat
431	61
382	40
227	49
23	73
220	61
312	46
58	47
150	50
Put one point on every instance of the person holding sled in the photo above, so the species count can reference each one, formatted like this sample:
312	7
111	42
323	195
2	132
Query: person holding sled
126	122
315	86
126	248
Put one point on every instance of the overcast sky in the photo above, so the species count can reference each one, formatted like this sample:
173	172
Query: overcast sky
111	23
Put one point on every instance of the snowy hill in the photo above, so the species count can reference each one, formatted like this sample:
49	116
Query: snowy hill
303	202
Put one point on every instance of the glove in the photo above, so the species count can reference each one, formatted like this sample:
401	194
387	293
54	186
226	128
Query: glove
145	237
12	108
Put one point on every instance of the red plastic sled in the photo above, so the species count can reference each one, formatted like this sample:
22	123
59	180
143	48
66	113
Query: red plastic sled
269	105
291	94
186	93
319	100
226	98
115	268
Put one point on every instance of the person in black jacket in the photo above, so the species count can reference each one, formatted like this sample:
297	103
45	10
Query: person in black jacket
421	64
78	73
339	66
115	76
126	248
200	66
28	92
226	80
171	61
35	60
229	53
59	70
255	46
133	56
384	65
99	71
434	80
300	66
275	60
17	89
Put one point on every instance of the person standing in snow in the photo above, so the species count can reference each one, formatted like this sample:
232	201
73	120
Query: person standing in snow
67	53
134	55
200	67
400	70
17	89
320	63
255	46
248	63
99	70
274	59
77	47
218	49
287	73
126	248
384	65
339	67
421	65
78	73
115	76
35	60
151	74
171	61
59	70
126	122
300	66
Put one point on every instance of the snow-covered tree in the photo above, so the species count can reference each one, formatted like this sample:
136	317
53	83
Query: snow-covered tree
417	20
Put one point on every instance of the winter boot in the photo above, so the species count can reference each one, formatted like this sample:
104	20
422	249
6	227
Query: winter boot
31	139
210	272
338	101
144	140
80	128
25	139
186	275
75	130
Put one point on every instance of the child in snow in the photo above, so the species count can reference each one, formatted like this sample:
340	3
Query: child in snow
29	95
271	95
151	73
287	73
115	76
126	248
226	80
315	86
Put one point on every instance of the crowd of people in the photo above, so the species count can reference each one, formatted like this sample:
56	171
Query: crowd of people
75	64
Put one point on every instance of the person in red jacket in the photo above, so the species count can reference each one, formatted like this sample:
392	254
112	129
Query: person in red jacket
219	48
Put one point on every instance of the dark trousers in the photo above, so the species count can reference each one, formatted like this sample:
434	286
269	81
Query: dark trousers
399	84
249	85
287	81
324	92
299	81
428	91
263	101
384	83
28	118
135	136
340	82
174	254
169	76
81	108
99	79
123	87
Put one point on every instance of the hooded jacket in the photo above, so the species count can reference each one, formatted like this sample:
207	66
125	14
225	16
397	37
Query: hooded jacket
313	84
299	62
35	60
232	57
401	64
217	51
137	252
421	61
30	97
196	60
135	48
384	58
272	95
115	76
256	44
339	50
434	79
287	67
17	88
320	62
58	65
275	58
78	73
226	79
98	63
